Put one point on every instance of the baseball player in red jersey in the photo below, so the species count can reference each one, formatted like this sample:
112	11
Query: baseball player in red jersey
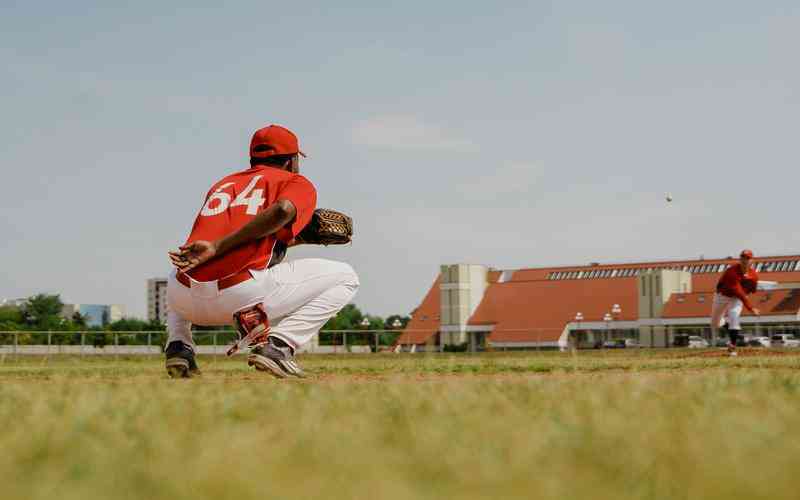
226	272
736	283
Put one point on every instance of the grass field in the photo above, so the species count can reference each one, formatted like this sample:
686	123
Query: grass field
621	424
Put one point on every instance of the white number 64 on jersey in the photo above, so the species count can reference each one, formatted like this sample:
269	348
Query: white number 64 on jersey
251	200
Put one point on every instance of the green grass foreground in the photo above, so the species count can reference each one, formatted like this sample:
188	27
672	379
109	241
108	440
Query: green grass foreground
617	425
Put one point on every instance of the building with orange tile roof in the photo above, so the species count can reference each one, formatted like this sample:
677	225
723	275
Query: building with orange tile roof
556	307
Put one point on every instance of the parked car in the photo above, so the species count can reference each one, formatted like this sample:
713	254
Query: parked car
696	342
610	344
741	341
722	341
785	340
681	340
632	343
759	342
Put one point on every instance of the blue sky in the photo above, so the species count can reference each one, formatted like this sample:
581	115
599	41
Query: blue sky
514	134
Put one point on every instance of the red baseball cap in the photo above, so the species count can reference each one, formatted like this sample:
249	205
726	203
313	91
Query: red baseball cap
746	253
273	140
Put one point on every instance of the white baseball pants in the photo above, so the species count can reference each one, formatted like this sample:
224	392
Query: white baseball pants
726	310
299	296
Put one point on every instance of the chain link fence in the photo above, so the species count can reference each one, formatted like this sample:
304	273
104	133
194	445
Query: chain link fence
153	342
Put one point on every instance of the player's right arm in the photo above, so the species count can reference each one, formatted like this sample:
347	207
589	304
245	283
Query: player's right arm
292	210
266	222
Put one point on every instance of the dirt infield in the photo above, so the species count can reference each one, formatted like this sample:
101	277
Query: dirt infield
741	352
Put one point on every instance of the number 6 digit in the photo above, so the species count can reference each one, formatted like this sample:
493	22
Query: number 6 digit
224	201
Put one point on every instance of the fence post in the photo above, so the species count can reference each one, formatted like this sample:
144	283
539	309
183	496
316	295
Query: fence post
376	341
83	342
48	341
344	341
149	341
16	341
214	337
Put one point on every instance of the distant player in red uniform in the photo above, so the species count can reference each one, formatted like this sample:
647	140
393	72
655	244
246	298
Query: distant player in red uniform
736	283
227	272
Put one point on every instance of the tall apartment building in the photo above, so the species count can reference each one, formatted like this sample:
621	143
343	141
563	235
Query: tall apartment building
157	299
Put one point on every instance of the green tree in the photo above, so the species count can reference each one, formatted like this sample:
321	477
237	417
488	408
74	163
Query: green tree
403	320
135	325
11	318
43	312
78	320
349	318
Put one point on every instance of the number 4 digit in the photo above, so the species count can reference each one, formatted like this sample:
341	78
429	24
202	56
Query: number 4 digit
252	201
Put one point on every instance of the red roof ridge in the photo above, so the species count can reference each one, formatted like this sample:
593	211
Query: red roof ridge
598	265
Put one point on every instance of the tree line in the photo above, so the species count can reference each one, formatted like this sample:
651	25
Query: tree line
43	313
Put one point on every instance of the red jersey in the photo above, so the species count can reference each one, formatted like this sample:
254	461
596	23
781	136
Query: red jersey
233	201
735	283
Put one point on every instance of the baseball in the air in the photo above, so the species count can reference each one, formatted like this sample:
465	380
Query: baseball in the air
669	197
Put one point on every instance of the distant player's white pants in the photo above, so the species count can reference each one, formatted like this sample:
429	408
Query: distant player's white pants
726	310
300	296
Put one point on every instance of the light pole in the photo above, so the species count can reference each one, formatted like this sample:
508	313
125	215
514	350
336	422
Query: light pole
616	310
578	318
607	318
394	325
364	324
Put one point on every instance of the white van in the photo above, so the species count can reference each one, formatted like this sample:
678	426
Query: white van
785	340
697	342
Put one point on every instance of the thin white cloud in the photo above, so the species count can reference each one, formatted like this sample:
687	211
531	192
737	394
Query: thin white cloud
503	180
408	133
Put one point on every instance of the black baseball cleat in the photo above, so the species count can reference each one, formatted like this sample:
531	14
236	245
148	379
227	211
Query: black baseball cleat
180	360
275	357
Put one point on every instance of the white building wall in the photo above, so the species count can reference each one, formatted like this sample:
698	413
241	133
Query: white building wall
461	291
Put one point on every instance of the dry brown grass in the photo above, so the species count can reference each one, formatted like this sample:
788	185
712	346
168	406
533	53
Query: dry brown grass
546	425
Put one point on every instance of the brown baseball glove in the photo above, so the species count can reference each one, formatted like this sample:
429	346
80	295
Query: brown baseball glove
327	227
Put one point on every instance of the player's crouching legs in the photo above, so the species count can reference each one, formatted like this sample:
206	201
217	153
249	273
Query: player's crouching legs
320	289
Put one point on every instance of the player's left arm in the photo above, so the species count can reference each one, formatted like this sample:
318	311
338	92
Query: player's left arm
303	195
